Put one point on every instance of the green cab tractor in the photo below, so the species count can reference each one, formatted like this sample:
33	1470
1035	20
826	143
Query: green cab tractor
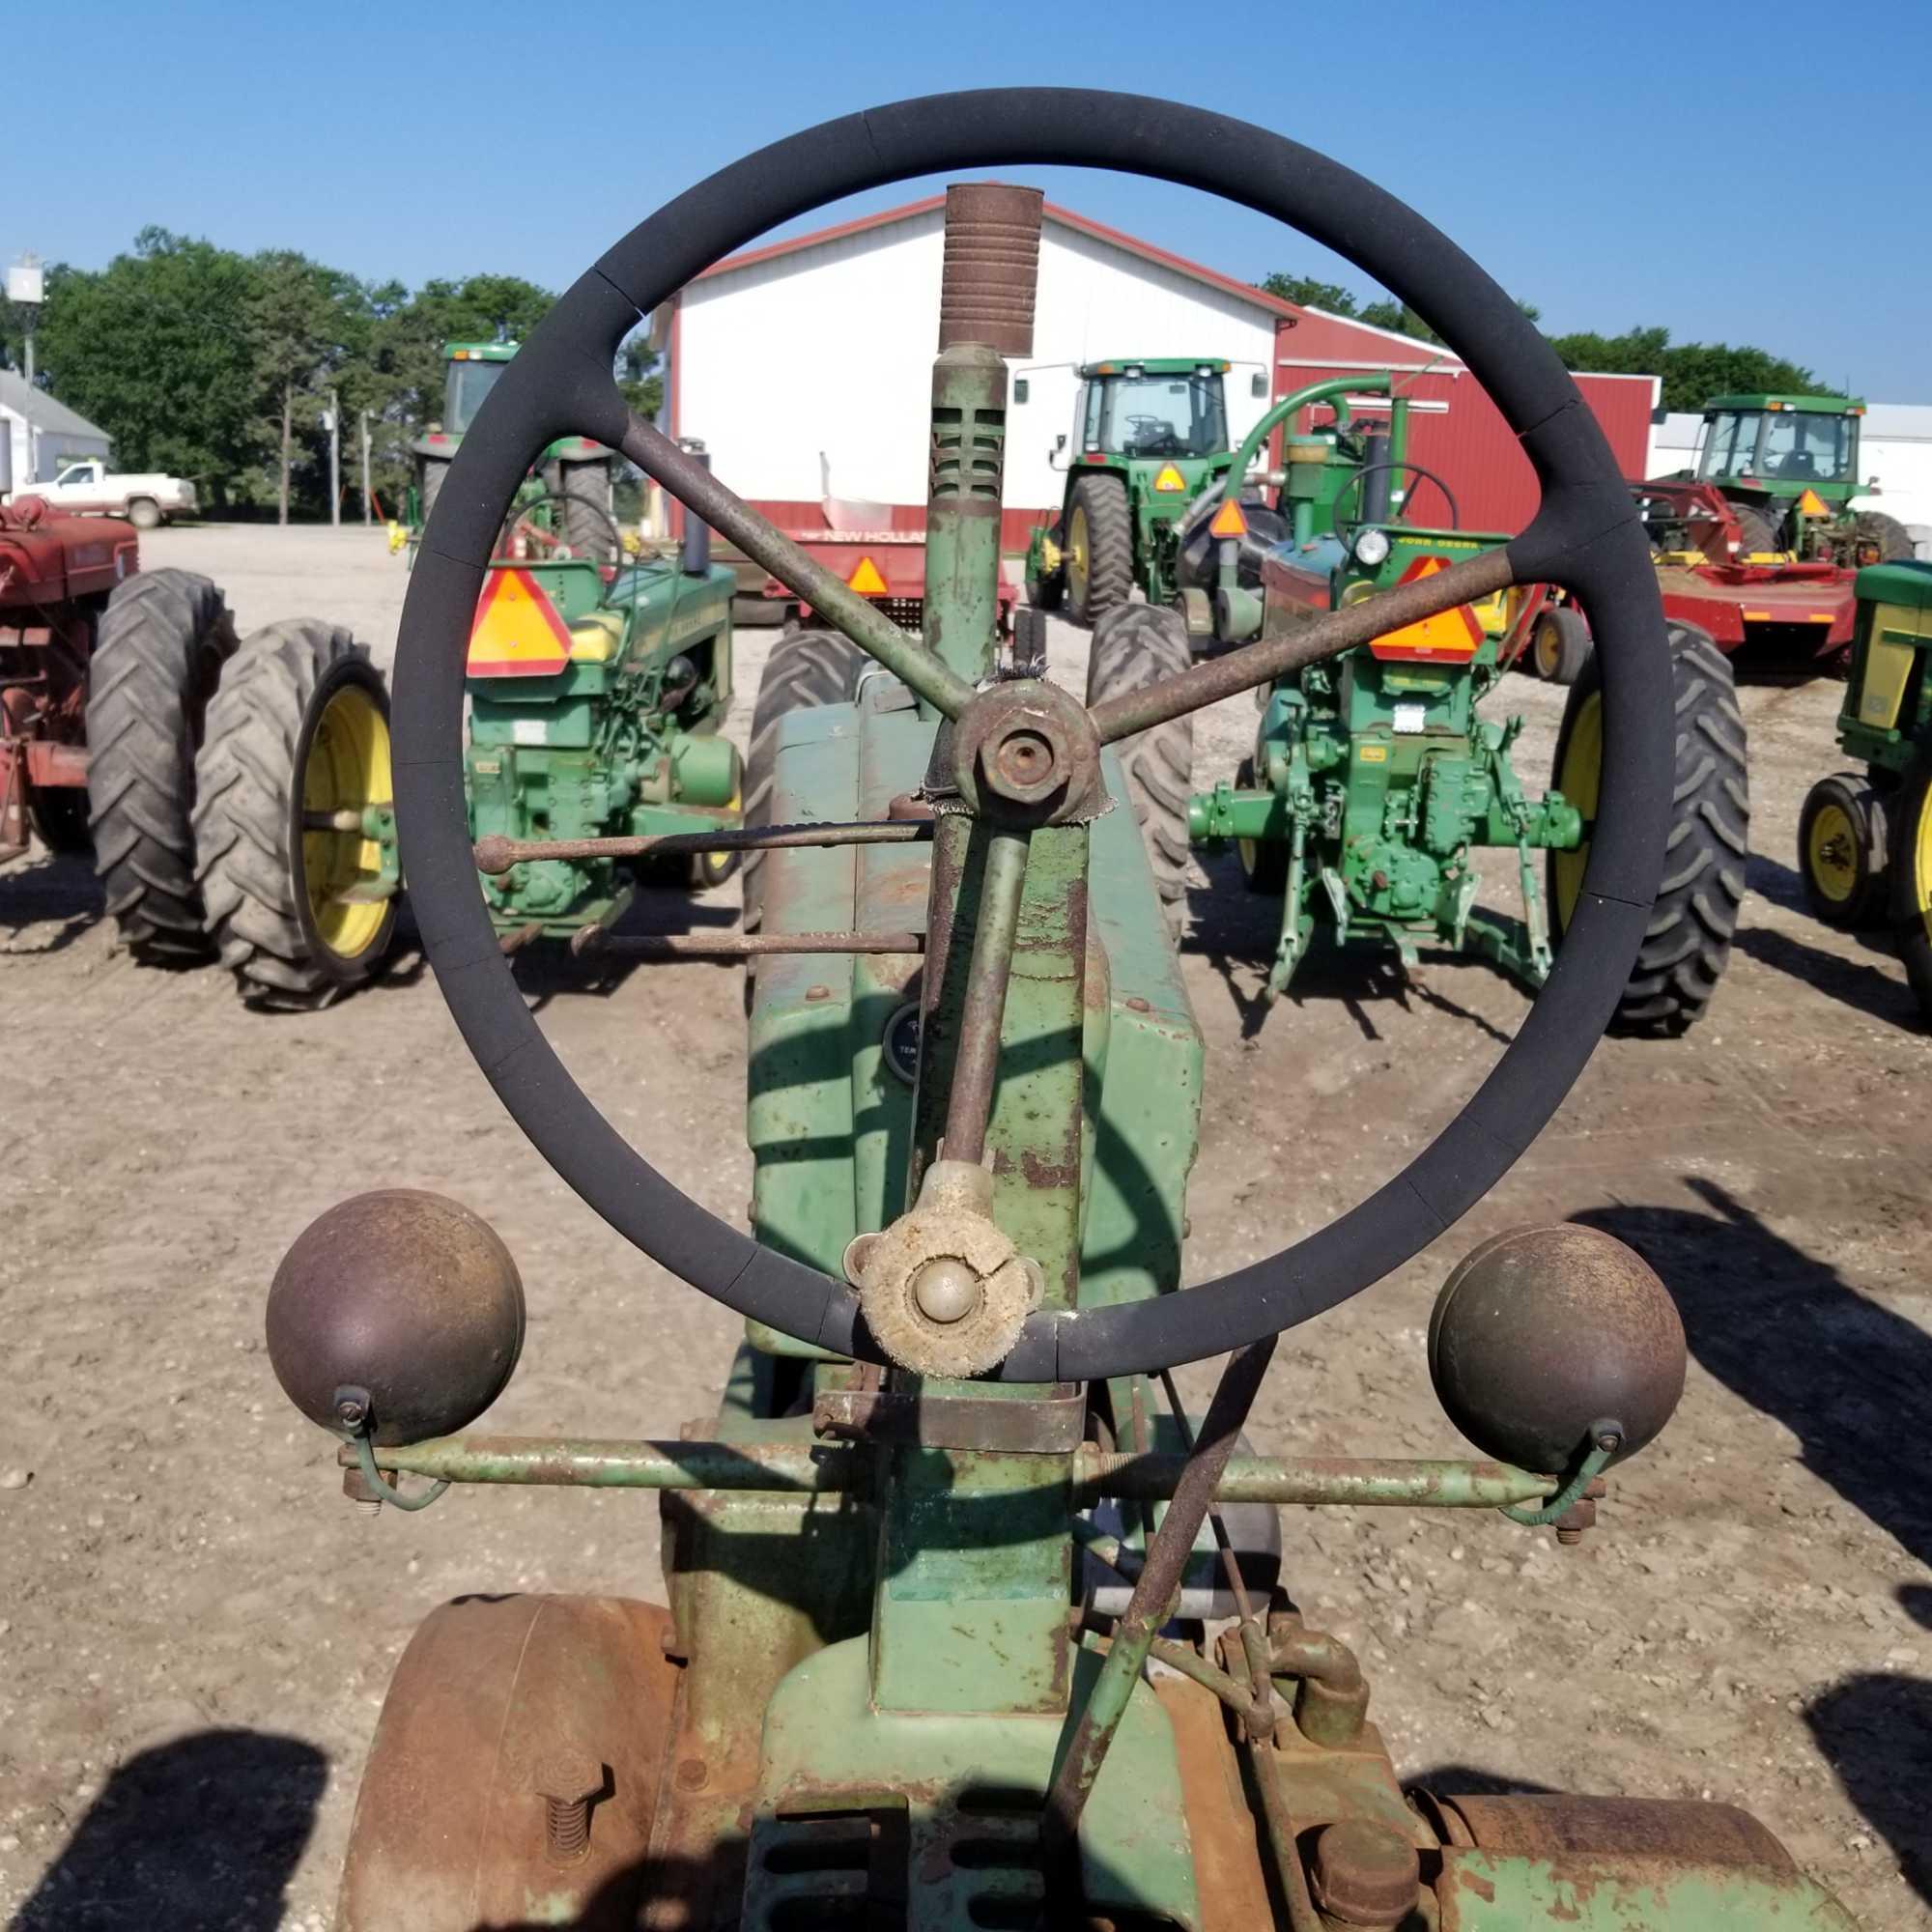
1148	435
969	1621
1789	467
1864	841
1375	780
573	470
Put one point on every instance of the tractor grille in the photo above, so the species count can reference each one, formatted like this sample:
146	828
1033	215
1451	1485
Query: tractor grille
978	1864
907	612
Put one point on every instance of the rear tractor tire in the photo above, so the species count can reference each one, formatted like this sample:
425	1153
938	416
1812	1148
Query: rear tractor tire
158	658
1099	548
1842	851
806	667
1888	533
1911	875
1694	917
588	518
1047	590
1137	645
1560	645
300	727
1756	532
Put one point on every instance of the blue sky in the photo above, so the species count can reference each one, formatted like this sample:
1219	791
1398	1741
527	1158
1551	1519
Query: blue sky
1614	164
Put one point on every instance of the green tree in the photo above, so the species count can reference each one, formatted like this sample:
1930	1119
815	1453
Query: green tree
309	325
1693	372
1306	291
155	349
1384	312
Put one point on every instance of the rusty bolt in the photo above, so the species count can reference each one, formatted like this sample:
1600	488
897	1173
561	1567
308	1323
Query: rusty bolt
1364	1874
567	1780
1137	1005
1574	1520
818	992
691	1771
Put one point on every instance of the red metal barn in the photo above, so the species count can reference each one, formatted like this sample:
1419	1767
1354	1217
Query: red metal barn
805	367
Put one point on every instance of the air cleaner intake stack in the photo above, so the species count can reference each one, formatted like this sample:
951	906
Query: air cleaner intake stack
986	312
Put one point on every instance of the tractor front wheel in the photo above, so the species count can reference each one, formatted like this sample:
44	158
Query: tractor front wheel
302	910
1100	565
1841	850
806	667
157	657
1559	646
1911	873
1694	917
1137	645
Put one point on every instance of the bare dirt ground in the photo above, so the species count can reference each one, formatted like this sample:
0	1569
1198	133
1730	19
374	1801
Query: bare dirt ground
195	1632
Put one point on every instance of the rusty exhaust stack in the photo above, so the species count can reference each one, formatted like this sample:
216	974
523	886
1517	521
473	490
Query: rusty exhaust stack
992	262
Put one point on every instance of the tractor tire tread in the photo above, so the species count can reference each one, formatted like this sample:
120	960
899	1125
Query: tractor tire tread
806	667
162	645
1135	646
1110	534
242	815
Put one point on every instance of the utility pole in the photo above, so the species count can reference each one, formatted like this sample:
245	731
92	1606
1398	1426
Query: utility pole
365	467
334	460
27	285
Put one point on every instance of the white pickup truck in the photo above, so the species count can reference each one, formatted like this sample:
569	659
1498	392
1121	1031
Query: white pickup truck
91	488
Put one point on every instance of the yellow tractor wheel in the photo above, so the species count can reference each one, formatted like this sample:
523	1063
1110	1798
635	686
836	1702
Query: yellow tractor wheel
1842	851
297	870
1701	891
1911	873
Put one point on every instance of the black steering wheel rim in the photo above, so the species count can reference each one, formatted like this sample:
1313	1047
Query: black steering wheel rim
1404	468
1586	537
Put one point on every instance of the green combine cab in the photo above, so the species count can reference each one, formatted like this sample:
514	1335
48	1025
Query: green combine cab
1789	467
1864	841
1148	435
575	470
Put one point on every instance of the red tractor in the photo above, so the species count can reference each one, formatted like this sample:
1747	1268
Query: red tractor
105	676
213	794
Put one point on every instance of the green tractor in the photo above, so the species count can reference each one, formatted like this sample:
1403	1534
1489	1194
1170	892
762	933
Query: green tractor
1148	435
1373	778
1789	466
573	471
970	1623
595	695
1865	844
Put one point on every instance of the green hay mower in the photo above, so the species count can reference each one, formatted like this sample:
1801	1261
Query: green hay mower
967	1627
1865	840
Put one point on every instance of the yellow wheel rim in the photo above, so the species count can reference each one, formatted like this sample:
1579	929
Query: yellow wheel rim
715	866
1076	556
1545	649
346	770
1831	853
1922	862
1578	780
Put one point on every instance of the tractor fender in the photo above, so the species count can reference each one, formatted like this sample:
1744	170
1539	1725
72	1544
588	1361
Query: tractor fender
451	1829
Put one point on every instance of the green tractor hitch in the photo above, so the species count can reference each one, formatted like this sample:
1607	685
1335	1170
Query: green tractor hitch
967	1625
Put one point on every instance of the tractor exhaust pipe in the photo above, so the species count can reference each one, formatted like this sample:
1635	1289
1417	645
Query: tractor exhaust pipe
695	560
1378	486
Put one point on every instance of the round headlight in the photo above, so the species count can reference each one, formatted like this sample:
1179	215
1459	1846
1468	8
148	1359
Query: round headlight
1372	546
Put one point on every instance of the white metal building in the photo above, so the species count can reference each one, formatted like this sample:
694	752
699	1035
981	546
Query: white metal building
39	435
810	360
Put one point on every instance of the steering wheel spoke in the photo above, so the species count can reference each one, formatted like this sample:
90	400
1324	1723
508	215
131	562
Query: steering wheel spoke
1324	637
733	518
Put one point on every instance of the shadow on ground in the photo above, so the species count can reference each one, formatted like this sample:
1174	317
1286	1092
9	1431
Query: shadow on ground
204	1832
52	889
1852	1381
